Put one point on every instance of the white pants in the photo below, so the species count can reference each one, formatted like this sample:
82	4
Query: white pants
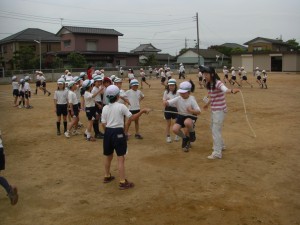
217	118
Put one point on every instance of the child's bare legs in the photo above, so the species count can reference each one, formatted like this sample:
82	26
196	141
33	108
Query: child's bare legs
121	167
137	126
107	164
89	131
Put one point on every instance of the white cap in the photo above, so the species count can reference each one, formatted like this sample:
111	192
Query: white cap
263	71
134	82
14	78
184	87
98	78
117	80
22	81
87	83
94	74
171	81
27	78
97	72
82	74
232	68
112	90
112	77
257	68
61	81
71	83
225	67
242	68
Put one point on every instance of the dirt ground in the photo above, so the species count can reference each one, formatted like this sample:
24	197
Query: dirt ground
256	182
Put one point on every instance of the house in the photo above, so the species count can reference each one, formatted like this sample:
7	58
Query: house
234	46
209	57
32	37
145	50
268	54
98	45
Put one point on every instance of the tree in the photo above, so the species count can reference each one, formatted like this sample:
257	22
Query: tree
76	60
182	51
151	60
294	44
25	58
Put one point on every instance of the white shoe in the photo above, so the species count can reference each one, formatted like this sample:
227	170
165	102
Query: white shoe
67	134
176	138
169	140
213	156
75	132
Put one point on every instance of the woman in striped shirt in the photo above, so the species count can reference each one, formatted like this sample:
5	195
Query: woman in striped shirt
216	92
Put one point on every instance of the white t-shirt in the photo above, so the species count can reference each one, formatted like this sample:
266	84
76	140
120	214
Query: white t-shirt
98	96
122	94
134	98
61	97
169	96
27	86
182	104
113	115
72	98
15	85
130	76
42	78
88	99
77	92
142	74
233	73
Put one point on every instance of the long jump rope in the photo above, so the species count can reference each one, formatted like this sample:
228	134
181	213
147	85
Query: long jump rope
191	115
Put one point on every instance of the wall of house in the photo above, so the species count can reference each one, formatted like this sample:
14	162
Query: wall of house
236	61
263	45
291	62
262	61
104	43
66	37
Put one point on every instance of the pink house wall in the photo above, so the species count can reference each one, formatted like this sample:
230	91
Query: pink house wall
78	42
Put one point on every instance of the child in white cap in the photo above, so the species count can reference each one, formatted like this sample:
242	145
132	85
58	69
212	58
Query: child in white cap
264	83
188	109
257	74
73	109
15	87
143	78
61	104
27	92
170	93
114	136
135	96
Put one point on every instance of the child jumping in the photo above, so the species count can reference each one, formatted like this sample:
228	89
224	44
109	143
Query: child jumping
135	96
170	93
188	109
114	136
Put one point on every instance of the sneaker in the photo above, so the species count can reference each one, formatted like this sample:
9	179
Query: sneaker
138	136
176	138
169	140
126	185
108	179
67	134
13	195
90	139
192	136
185	144
213	156
99	136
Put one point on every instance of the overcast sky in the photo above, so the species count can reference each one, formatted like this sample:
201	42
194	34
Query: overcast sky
168	24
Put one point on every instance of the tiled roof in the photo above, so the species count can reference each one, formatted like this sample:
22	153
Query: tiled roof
234	45
146	48
273	41
89	30
31	34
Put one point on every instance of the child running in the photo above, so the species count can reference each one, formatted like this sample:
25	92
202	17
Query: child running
22	94
114	136
233	77
257	74
61	104
225	72
12	191
43	83
264	83
143	77
188	109
244	77
170	93
134	97
27	92
200	79
15	87
216	92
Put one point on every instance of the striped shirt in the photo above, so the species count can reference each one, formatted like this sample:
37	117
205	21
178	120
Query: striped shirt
217	97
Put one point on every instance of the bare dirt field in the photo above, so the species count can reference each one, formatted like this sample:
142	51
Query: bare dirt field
256	182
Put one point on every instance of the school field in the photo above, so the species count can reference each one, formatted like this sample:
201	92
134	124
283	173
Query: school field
256	182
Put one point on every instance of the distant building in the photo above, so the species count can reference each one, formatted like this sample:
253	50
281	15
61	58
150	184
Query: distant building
209	57
27	38
234	46
268	54
98	45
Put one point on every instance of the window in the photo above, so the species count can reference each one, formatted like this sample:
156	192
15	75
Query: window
257	48
91	45
67	43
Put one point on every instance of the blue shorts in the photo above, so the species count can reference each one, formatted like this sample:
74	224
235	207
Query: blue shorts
16	92
114	139
169	115
90	112
2	159
61	109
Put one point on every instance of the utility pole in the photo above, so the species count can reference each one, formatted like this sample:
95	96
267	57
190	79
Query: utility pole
198	51
185	43
40	48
